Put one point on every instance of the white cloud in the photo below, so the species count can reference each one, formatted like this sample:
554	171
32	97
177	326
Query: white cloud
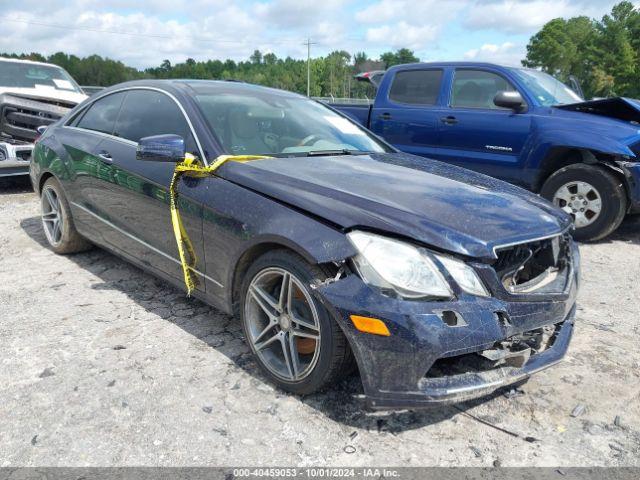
298	14
412	24
402	35
226	32
381	11
520	17
506	53
202	29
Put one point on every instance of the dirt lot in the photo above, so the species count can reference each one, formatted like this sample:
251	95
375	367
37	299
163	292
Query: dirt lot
102	364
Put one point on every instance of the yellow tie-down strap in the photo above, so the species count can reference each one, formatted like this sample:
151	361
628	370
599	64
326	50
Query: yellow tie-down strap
191	168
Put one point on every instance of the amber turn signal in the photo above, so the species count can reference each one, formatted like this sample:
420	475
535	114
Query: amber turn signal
370	325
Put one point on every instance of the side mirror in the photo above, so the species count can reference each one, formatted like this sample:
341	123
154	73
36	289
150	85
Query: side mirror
41	129
161	148
509	99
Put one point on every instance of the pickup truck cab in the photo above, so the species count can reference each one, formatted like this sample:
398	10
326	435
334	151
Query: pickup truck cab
519	125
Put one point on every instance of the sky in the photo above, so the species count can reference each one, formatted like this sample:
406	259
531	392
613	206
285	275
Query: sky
144	33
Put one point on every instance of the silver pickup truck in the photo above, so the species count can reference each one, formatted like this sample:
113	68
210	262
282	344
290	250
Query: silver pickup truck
32	94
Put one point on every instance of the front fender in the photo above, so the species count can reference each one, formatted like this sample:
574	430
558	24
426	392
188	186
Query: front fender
540	158
240	223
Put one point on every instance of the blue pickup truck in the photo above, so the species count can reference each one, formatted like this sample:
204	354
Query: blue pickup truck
519	125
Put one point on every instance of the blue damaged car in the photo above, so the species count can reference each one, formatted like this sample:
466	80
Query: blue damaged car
519	125
336	251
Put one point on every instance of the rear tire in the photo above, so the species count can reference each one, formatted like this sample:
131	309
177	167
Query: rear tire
59	229
275	318
592	195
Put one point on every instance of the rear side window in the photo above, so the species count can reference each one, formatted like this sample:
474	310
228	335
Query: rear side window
419	87
101	115
145	113
477	88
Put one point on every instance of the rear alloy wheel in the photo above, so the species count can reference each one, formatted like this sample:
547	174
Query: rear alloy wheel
593	196
52	219
294	339
57	223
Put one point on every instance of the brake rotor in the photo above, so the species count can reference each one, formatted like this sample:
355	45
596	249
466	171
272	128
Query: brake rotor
306	346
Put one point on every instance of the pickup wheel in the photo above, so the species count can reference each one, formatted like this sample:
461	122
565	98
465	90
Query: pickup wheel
594	197
57	222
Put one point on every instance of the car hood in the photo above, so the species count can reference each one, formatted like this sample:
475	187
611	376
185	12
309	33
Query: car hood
619	108
440	205
46	93
616	118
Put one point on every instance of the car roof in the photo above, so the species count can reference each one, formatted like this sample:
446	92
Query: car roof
30	62
196	87
454	64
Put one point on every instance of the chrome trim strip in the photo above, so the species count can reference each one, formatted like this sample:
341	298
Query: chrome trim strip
102	134
155	89
523	242
151	247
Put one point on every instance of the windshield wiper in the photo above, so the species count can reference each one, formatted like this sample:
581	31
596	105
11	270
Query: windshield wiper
343	151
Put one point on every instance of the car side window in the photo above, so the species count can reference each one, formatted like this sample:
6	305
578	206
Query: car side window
145	113
477	88
416	87
101	115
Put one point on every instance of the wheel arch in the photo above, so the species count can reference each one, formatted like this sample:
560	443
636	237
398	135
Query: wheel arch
43	178
250	254
562	156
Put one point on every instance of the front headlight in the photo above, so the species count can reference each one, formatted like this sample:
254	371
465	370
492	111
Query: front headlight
396	265
465	276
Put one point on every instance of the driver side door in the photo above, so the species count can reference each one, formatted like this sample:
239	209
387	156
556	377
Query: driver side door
477	134
134	197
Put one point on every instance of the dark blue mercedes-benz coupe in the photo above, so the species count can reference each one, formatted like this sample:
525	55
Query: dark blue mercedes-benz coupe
438	283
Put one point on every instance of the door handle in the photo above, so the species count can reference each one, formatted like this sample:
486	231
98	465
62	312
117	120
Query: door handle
385	116
449	120
105	157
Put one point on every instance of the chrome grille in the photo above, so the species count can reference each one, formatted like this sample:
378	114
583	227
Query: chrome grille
530	267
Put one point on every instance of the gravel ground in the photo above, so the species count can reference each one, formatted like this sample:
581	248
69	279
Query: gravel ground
104	365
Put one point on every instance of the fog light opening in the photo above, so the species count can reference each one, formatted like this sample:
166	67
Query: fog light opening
503	318
451	318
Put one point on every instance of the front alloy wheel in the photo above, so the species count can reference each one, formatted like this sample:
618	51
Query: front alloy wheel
282	322
581	200
295	340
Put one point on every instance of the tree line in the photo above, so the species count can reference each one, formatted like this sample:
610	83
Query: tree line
331	75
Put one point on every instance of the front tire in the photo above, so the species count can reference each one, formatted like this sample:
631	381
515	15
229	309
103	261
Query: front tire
59	229
594	197
296	342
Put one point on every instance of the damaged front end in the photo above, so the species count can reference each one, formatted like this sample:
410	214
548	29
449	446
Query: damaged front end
20	117
454	349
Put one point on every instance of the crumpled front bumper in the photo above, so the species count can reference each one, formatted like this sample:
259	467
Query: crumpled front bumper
631	171
394	369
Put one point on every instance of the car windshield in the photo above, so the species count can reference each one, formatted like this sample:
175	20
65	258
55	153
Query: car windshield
29	75
259	122
546	89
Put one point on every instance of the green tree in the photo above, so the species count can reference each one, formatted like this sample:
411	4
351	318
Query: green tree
330	75
604	55
399	57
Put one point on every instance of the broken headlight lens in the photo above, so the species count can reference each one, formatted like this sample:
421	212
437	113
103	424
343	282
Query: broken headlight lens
394	265
465	276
